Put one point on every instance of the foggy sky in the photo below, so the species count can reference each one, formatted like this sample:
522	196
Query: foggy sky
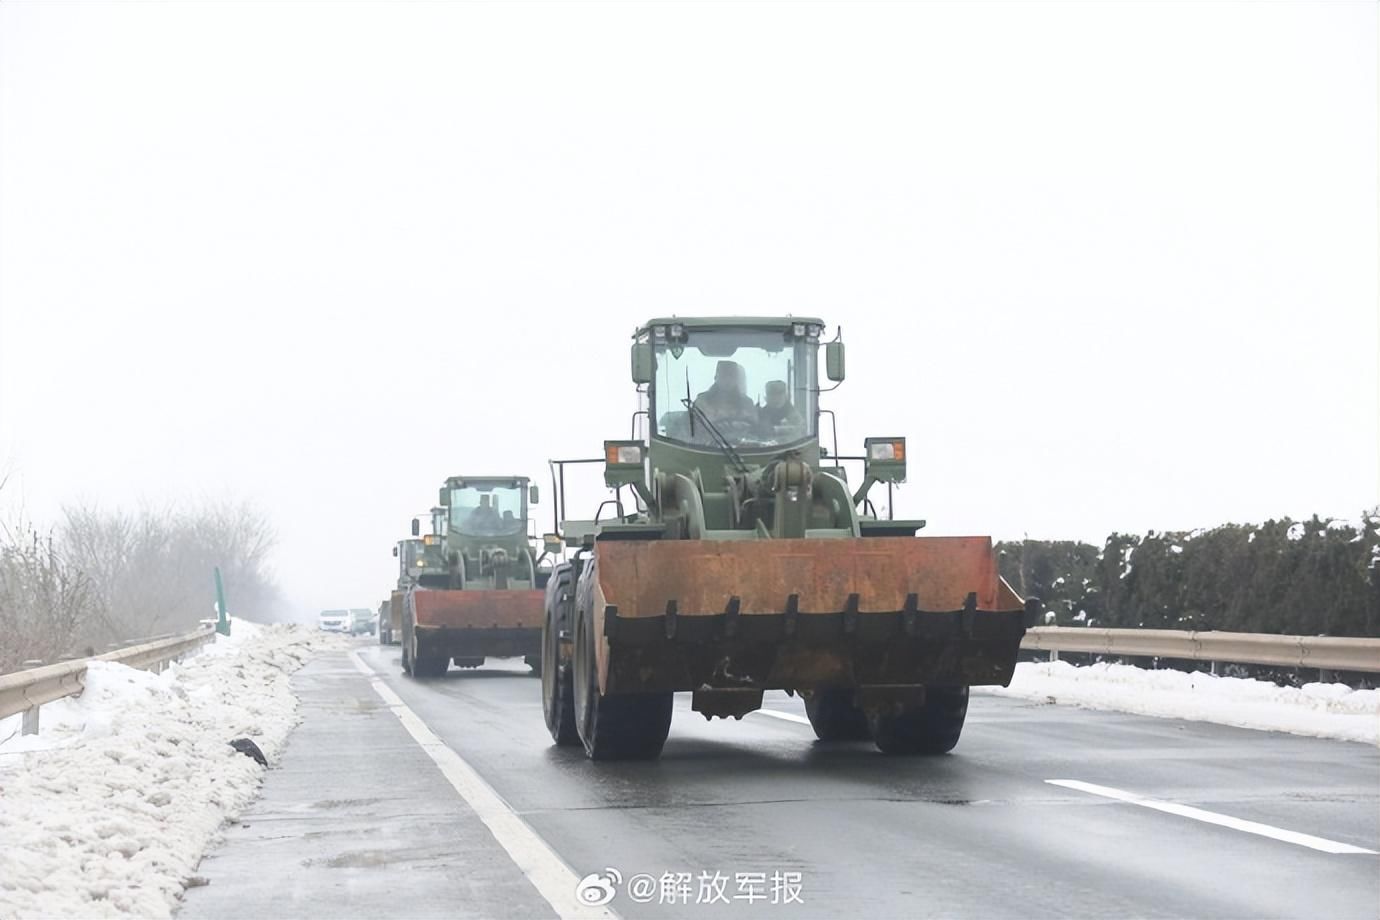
1108	267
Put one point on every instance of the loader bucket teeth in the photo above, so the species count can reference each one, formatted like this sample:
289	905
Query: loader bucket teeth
804	613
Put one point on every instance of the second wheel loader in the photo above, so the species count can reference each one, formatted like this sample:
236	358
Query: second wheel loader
487	600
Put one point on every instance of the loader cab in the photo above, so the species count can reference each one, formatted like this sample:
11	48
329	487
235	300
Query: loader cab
488	534
417	557
487	508
746	384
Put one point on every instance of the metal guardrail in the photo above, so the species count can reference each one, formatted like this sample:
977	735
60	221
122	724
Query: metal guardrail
25	691
1326	653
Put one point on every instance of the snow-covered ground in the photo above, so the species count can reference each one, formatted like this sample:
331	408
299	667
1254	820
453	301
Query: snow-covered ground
1320	710
107	811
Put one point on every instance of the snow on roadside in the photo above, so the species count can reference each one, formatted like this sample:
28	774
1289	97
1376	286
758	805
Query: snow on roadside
107	811
1319	710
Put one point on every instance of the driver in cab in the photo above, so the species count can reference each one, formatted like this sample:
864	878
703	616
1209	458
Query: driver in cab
725	402
483	519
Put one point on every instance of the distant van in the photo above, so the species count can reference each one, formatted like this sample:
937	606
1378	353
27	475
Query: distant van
361	621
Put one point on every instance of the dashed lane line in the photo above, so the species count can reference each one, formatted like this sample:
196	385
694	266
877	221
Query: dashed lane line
1212	817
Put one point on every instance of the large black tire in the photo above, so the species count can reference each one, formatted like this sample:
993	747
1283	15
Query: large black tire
422	664
428	666
834	717
557	690
627	726
931	727
407	643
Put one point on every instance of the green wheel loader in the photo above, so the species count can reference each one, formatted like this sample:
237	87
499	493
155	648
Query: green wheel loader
735	558
486	601
419	559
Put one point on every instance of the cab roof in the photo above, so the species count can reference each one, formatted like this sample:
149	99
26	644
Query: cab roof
746	322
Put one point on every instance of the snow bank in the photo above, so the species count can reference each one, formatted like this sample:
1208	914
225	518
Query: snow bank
107	811
1320	710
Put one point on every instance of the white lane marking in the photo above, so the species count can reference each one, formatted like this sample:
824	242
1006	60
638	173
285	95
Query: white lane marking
1211	817
548	873
778	714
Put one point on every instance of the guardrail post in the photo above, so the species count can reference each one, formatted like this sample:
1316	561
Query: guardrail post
28	725
1054	654
222	621
1325	676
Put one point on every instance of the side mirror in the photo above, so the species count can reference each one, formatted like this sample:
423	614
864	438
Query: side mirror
443	498
552	543
643	364
395	552
532	495
833	361
416	527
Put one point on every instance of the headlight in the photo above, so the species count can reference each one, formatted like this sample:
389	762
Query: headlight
623	454
421	563
886	450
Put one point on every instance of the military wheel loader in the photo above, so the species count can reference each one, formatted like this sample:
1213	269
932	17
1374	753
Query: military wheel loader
420	559
486	601
736	558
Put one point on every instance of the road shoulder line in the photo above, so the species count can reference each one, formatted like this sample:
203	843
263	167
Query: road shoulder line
548	873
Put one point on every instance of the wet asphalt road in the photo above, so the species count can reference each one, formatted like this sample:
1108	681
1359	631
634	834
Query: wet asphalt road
978	833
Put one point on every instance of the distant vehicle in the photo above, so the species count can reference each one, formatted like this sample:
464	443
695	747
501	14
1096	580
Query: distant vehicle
420	560
361	621
385	623
334	621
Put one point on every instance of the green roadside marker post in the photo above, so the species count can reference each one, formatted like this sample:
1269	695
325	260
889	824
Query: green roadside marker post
222	620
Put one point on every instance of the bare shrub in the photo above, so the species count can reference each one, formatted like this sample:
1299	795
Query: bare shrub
46	603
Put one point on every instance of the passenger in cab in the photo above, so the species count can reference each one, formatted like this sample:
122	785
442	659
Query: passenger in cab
779	421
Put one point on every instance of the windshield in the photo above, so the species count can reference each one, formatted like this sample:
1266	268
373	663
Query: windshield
482	509
757	387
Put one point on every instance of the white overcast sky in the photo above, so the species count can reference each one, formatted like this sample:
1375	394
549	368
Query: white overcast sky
1107	266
